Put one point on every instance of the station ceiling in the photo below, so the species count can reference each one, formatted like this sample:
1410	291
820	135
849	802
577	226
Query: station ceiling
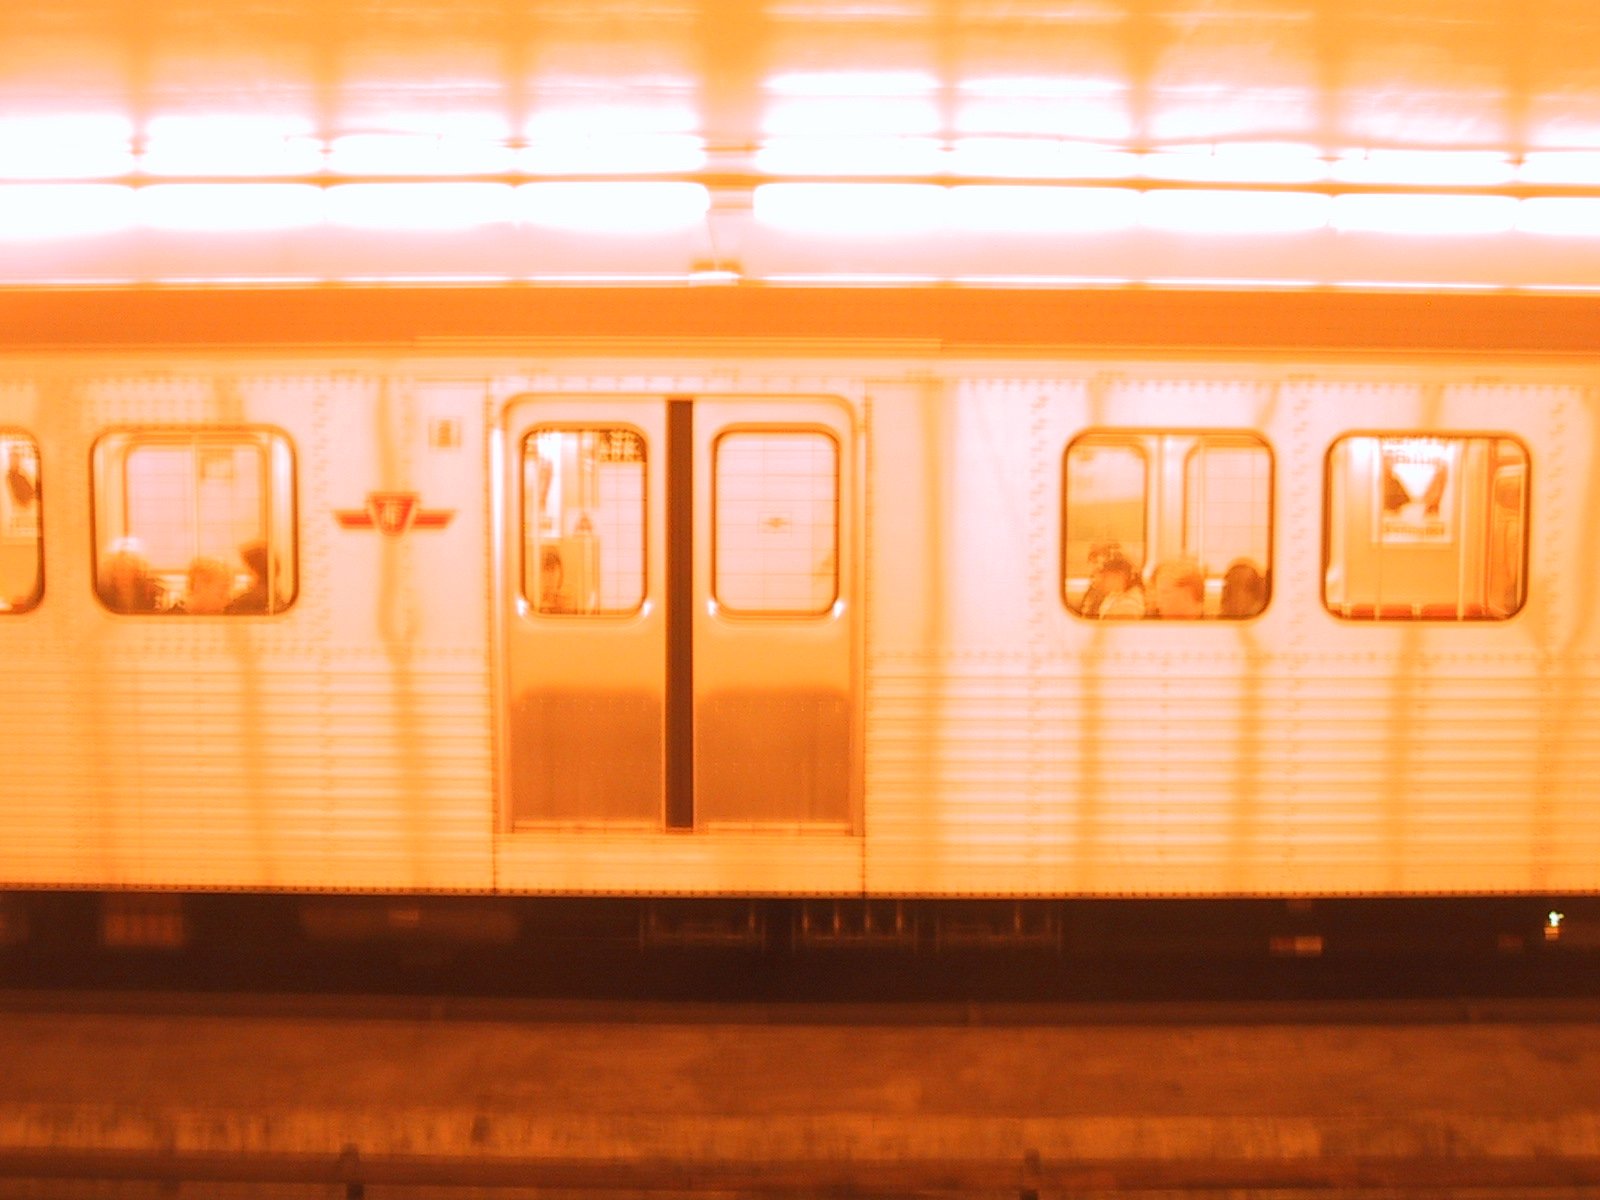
1508	76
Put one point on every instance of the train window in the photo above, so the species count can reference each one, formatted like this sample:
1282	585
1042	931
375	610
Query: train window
21	547
775	524
583	521
1173	524
1423	527
195	521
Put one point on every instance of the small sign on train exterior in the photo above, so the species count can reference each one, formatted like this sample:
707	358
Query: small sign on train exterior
393	513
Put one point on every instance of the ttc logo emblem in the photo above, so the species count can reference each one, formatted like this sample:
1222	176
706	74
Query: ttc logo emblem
392	513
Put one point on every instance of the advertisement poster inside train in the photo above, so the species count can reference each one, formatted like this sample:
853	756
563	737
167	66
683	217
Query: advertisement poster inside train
1417	492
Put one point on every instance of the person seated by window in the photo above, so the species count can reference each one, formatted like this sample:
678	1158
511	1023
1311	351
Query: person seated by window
1118	589
210	586
257	596
553	597
1244	590
126	583
1178	589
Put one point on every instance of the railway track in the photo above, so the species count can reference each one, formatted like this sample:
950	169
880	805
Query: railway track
355	1176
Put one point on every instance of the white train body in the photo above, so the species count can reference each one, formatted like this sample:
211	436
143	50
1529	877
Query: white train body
931	719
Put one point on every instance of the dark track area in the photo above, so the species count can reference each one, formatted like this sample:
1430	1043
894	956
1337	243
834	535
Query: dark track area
1127	952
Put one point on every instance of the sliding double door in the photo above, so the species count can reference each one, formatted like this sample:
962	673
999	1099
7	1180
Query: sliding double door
680	613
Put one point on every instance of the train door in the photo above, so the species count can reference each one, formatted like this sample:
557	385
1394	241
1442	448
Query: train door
680	613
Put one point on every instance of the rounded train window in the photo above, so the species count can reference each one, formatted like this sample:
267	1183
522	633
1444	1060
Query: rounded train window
21	540
1166	524
194	522
1423	527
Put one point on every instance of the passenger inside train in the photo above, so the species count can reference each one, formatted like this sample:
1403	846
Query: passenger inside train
1244	590
1115	590
1178	590
127	584
553	594
257	596
209	588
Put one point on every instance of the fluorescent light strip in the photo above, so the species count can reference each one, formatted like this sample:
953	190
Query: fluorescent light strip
64	210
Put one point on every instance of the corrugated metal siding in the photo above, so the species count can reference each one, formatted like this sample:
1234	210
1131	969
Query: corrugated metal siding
187	773
1015	749
1139	783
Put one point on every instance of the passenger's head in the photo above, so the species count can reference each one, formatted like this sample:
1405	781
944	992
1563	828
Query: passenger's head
126	583
254	555
1244	589
1114	574
210	586
1178	589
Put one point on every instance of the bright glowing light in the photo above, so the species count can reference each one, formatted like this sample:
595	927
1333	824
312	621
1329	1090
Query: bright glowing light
1566	166
229	206
880	116
1044	106
1244	162
65	147
596	120
854	279
30	212
419	205
619	155
1233	212
1025	157
1560	216
231	145
575	138
1089	117
619	208
1034	210
851	156
1217	112
1057	87
417	154
852	209
1424	215
852	83
1443	167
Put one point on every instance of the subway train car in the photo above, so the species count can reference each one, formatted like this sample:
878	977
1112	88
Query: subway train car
833	624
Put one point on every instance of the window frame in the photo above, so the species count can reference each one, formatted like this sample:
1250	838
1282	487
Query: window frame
1394	613
1136	438
36	598
110	451
531	604
775	614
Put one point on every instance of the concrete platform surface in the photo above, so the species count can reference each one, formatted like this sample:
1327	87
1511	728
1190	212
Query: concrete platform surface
723	1088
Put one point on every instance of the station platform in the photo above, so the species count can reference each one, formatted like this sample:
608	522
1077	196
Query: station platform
763	1100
